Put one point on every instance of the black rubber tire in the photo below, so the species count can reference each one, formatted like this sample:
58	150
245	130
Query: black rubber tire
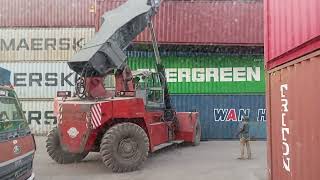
110	147
56	152
197	135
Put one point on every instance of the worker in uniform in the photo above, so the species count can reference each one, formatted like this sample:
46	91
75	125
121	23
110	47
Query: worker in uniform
244	138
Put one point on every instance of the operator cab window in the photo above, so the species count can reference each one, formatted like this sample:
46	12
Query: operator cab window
140	82
109	85
109	82
148	86
155	96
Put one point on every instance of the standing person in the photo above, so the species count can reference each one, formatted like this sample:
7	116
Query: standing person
244	137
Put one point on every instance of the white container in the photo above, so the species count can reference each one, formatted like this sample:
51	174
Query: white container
40	80
39	115
42	44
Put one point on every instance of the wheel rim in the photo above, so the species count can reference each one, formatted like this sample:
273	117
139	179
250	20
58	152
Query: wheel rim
127	148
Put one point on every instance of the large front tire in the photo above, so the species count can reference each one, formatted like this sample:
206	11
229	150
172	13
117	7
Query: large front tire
124	147
56	152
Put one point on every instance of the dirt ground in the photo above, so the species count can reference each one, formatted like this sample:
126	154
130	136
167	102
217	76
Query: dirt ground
212	160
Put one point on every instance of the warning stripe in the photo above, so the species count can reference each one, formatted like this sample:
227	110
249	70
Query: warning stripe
96	115
60	113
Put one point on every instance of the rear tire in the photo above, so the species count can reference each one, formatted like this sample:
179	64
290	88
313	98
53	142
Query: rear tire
197	134
56	152
124	147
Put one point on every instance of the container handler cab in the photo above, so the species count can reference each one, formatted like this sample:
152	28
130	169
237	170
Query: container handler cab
125	124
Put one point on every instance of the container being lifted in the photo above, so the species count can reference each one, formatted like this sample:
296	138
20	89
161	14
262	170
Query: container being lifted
138	118
292	54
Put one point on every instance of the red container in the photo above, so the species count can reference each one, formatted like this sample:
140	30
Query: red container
292	29
47	13
293	120
205	22
178	22
292	53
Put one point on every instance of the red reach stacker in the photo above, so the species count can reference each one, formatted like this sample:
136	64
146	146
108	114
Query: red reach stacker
127	122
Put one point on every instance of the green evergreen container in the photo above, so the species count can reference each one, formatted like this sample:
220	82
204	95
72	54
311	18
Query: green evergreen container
207	74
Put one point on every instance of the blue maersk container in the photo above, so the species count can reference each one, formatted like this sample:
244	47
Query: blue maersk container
220	115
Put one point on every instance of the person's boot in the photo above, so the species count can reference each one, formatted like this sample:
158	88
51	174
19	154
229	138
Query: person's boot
249	156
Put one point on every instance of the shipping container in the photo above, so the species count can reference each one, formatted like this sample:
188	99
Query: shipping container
206	22
220	115
293	131
42	44
186	74
40	80
178	22
39	115
48	13
207	73
292	29
292	53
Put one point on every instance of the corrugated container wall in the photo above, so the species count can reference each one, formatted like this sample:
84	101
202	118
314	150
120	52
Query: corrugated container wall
293	121
193	73
206	22
42	44
39	115
292	53
40	80
220	115
178	22
187	74
48	13
292	29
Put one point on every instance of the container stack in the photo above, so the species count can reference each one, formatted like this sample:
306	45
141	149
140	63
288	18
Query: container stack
292	54
38	37
222	87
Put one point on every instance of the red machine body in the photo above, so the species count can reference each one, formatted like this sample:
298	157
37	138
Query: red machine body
89	120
